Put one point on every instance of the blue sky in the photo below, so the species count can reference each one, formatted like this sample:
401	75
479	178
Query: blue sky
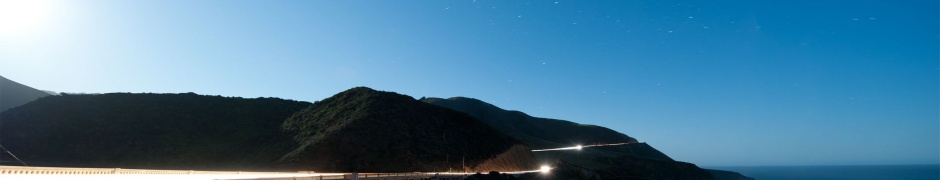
712	83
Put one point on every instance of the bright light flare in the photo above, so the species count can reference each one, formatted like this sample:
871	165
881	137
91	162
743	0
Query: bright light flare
545	169
18	16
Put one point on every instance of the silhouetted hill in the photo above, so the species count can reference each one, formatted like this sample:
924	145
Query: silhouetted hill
357	130
538	132
544	133
373	131
360	129
160	131
13	94
631	161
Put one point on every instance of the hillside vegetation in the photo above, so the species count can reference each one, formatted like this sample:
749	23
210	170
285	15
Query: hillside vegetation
538	132
544	133
635	160
357	130
367	130
162	131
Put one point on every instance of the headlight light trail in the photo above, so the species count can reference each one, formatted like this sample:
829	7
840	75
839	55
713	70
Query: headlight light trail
579	147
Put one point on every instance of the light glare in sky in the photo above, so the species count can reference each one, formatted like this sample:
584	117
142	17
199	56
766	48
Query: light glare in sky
20	16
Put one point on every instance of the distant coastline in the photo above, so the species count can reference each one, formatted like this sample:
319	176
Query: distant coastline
837	172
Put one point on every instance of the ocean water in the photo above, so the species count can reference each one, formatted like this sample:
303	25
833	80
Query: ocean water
912	172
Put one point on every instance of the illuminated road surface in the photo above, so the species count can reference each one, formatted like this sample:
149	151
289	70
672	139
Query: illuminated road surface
543	169
37	173
42	173
155	177
228	175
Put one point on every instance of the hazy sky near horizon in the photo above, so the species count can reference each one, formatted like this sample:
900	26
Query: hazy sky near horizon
712	83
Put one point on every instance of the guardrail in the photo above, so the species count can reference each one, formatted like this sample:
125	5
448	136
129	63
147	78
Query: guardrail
407	176
23	170
378	176
301	175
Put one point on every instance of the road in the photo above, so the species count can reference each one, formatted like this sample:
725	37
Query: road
43	173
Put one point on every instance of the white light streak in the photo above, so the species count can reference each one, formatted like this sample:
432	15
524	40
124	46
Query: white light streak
557	149
614	144
578	147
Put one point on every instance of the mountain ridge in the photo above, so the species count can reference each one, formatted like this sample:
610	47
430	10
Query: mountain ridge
13	94
157	131
537	132
633	159
357	130
366	124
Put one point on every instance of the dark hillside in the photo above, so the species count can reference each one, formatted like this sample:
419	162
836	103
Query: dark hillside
635	160
13	94
358	130
373	131
162	131
549	133
538	132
